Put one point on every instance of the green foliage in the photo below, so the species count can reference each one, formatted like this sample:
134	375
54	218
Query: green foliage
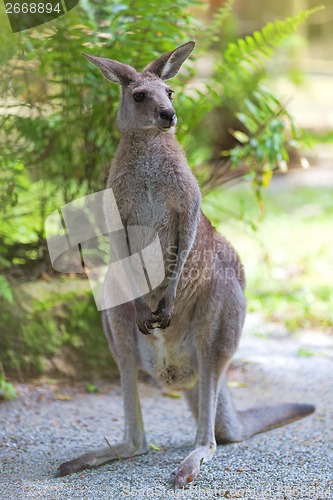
5	289
7	390
267	131
69	133
294	305
58	132
288	282
245	56
264	147
50	321
311	138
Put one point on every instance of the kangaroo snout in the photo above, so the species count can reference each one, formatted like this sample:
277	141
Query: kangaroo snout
167	118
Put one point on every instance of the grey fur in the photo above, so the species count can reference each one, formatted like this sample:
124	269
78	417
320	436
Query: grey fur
185	332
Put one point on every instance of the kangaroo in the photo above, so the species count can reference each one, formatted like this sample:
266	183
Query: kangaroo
184	332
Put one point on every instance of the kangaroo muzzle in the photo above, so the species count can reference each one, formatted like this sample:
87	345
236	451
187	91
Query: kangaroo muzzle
167	118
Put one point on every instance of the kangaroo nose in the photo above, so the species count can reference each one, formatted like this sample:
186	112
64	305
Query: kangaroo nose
168	115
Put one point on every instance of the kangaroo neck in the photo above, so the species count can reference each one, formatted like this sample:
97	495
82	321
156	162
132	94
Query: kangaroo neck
148	140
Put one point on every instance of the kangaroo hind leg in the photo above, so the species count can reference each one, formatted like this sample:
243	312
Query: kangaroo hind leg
134	441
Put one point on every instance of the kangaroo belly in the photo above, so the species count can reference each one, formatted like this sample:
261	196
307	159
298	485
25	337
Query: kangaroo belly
171	362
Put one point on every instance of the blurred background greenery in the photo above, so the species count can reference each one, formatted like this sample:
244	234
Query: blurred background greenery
253	99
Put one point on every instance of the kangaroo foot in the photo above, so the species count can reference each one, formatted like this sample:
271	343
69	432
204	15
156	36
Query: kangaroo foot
99	457
189	469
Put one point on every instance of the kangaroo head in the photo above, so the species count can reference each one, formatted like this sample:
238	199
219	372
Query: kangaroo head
146	100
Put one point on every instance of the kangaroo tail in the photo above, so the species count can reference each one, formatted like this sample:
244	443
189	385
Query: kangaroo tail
262	419
232	425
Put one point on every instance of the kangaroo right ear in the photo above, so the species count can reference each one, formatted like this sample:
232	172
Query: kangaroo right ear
169	64
113	70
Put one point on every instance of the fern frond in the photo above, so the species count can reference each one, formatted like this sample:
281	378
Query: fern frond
248	55
262	42
213	30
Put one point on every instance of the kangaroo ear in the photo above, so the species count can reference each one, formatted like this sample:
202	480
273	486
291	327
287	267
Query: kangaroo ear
113	70
168	65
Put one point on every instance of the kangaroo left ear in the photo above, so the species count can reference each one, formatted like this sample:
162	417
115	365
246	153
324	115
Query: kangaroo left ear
169	64
113	70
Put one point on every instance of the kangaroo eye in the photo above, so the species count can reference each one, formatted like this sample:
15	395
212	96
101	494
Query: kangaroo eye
170	92
139	96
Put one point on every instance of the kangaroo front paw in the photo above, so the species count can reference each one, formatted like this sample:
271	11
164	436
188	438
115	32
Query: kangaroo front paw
163	314
146	325
145	320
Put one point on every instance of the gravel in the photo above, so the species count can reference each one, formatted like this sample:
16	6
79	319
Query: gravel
41	428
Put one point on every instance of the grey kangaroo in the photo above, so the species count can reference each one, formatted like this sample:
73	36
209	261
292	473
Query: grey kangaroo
185	332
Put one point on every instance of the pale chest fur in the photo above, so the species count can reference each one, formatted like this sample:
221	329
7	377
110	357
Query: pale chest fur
141	196
169	358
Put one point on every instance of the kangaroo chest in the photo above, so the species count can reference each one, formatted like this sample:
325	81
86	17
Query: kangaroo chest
144	202
147	195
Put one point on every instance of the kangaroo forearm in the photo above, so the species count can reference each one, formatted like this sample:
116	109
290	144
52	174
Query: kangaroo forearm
188	225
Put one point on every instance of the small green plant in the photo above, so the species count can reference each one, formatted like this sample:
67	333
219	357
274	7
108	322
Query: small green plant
91	388
7	390
153	446
302	351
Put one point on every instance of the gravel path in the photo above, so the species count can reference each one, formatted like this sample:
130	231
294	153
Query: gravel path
39	431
